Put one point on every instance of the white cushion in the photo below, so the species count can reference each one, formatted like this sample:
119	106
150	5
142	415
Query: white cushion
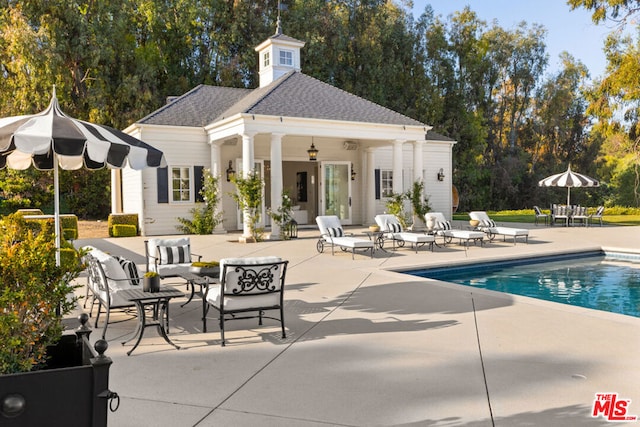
116	277
415	237
232	276
238	302
350	242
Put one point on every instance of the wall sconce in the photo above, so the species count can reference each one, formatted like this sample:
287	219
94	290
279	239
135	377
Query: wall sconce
230	172
353	173
441	175
313	152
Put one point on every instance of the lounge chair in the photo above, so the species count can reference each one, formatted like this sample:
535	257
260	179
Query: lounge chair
597	215
489	226
560	212
392	229
442	227
580	214
331	233
540	215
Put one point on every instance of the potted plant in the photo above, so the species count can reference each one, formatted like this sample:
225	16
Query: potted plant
283	216
248	195
34	296
419	204
207	218
395	206
205	268
151	282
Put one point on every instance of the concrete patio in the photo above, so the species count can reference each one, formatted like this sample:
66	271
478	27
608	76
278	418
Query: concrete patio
367	345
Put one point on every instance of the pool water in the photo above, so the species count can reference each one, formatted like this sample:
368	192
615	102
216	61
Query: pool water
595	281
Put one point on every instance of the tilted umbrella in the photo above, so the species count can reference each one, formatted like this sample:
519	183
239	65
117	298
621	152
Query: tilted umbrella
51	139
569	179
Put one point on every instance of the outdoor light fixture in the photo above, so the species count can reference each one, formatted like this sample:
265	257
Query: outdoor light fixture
230	172
353	173
441	175
313	152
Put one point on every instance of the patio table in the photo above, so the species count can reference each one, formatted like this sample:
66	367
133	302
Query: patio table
159	303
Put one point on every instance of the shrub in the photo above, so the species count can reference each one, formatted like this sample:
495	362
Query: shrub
124	230
34	292
126	219
207	218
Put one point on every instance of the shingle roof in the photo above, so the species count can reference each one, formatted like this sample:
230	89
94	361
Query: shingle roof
435	136
293	95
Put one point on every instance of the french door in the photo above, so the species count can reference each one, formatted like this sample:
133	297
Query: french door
335	192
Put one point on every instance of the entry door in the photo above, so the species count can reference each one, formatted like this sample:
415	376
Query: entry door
258	166
336	190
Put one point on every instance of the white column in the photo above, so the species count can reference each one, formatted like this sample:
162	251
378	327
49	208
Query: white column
276	180
370	182
116	191
216	171
247	167
397	166
418	162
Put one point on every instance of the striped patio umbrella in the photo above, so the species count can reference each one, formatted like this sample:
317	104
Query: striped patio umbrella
569	179
50	140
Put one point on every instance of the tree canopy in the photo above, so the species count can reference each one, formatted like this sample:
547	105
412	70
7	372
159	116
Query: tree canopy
485	86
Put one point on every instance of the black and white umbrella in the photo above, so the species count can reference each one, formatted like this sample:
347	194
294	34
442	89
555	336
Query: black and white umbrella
51	139
568	179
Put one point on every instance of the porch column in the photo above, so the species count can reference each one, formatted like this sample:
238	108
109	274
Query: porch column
247	167
276	181
418	155
216	171
370	182
397	166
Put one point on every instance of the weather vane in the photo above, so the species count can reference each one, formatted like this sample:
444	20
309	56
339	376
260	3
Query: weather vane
281	7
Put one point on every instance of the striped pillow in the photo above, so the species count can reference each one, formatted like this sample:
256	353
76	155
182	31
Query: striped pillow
490	223
174	254
335	231
395	227
444	225
130	269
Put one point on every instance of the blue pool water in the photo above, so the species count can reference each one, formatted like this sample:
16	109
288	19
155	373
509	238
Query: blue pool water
594	280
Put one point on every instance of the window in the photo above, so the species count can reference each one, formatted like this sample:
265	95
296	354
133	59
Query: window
266	59
286	57
180	184
386	179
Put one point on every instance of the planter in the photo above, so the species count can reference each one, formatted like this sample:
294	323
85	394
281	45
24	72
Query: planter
431	223
73	390
205	271
474	222
418	223
151	284
374	228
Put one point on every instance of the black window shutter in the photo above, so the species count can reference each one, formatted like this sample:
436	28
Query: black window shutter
377	180
198	175
163	184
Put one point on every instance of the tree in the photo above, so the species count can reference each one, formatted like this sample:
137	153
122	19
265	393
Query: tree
615	10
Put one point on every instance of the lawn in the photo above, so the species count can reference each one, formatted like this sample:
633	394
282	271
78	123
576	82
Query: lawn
612	216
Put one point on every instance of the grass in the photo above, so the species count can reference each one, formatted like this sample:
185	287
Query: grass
614	216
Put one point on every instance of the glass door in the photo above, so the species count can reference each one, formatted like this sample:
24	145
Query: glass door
336	192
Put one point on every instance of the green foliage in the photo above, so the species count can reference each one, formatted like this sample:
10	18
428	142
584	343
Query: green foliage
283	214
124	219
32	289
206	219
125	230
248	195
395	206
419	202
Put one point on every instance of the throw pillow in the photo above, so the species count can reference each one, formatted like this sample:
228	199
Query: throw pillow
174	254
131	270
335	231
395	227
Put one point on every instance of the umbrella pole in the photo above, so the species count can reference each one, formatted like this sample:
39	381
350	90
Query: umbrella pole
56	204
568	196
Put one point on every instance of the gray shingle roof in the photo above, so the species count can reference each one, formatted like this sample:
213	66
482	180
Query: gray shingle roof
293	95
435	136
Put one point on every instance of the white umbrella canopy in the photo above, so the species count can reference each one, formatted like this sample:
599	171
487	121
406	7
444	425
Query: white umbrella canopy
568	179
51	139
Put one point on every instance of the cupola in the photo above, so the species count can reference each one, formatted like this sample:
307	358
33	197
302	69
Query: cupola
278	55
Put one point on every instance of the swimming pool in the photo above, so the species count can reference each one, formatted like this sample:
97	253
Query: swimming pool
596	280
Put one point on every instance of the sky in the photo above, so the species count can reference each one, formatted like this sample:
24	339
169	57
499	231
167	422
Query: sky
567	30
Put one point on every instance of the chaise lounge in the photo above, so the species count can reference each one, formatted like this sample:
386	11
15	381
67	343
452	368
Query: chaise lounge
392	229
332	234
442	227
489	226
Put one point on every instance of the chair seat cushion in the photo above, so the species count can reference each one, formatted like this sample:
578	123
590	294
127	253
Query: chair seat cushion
509	231
350	242
414	237
167	270
465	234
232	303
